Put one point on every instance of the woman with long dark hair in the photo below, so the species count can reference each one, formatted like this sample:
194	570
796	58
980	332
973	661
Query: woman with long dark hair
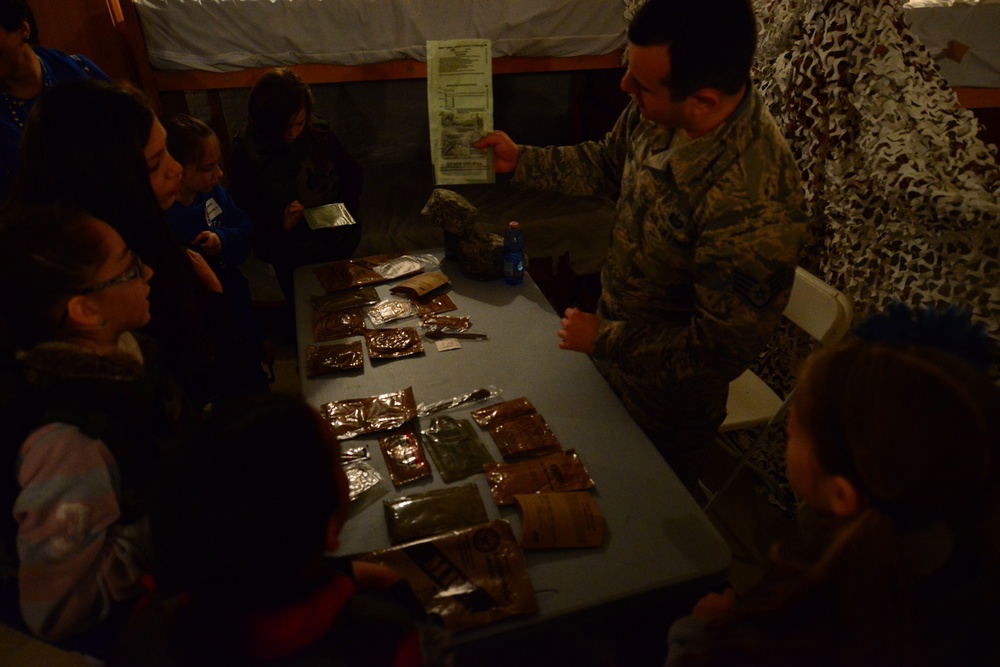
99	148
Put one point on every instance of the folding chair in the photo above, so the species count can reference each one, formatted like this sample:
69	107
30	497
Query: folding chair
822	312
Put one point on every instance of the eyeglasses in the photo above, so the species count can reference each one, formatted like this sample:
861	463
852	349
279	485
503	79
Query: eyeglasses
135	270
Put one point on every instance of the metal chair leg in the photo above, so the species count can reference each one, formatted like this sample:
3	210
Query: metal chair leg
750	450
736	470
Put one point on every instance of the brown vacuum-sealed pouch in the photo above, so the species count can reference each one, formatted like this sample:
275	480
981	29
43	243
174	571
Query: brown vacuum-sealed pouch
450	322
432	305
357	272
551	473
393	343
345	275
321	359
355	416
494	414
527	435
356	298
338	324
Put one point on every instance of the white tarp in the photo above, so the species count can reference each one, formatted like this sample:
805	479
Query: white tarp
226	35
946	27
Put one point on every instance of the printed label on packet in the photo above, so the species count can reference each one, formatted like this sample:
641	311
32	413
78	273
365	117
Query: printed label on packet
446	344
560	520
467	577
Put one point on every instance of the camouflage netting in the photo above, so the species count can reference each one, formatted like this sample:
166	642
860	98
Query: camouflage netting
903	198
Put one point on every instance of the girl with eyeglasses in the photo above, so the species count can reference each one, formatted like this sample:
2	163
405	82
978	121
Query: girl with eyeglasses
98	147
86	412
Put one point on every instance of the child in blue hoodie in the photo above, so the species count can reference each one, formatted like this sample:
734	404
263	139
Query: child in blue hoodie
205	217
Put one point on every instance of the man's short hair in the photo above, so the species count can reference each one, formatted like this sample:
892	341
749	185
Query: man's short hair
712	42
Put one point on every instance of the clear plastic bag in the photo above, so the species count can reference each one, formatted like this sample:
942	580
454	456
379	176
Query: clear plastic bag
425	409
406	265
391	309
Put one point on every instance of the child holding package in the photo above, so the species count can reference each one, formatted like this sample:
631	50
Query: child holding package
241	524
285	161
207	220
893	450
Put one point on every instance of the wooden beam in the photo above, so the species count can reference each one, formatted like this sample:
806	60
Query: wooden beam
384	71
978	98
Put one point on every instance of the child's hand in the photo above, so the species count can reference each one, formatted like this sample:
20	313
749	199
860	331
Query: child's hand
715	607
293	213
206	276
371	575
207	243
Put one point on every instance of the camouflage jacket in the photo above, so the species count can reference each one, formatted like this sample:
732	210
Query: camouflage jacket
703	249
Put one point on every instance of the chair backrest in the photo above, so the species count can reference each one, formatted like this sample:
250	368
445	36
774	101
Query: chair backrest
818	309
821	311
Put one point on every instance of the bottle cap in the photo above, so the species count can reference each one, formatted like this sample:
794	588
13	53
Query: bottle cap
514	224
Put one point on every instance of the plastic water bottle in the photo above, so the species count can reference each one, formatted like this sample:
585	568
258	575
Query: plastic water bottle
513	255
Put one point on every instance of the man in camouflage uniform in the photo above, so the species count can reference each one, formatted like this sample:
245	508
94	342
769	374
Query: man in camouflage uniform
708	227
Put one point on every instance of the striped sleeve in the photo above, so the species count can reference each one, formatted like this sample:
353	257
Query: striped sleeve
74	560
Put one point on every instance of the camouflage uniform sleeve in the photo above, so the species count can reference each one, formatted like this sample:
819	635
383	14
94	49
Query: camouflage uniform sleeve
589	168
743	270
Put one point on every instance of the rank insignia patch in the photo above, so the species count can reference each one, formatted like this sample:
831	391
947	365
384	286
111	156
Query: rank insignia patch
760	293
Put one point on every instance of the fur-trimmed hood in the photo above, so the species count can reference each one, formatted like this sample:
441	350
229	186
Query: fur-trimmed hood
65	360
128	403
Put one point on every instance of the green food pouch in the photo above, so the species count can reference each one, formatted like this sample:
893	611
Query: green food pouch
455	448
